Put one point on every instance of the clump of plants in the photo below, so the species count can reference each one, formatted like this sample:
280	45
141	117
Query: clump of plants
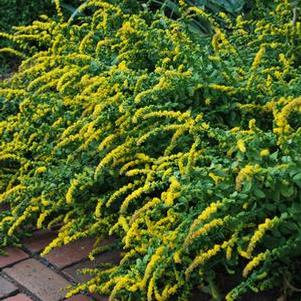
123	121
20	13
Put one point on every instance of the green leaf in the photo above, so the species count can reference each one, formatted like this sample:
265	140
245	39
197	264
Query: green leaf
287	191
297	179
259	193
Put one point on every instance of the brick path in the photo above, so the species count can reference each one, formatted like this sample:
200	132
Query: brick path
26	276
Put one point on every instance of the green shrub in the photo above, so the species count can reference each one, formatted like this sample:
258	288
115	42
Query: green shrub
23	12
186	147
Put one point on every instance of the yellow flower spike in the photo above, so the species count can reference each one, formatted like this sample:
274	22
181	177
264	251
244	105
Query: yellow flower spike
150	289
172	192
258	57
123	223
281	118
264	153
255	262
137	171
149	205
59	241
151	265
128	255
176	257
115	154
67	216
71	190
153	132
7	193
191	156
129	165
218	222
178	133
132	233
246	173
259	233
92	288
55	221
42	218
18	222
4	157
203	258
168	114
136	194
241	146
222	88
215	178
122	66
121	283
5	220
168	291
230	245
76	290
98	208
41	169
205	214
12	52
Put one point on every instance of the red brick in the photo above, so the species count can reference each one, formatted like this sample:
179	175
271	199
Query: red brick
19	297
39	279
74	271
6	288
71	253
79	298
39	240
14	255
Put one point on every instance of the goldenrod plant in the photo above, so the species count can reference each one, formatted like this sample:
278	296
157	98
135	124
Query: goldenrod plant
186	147
23	12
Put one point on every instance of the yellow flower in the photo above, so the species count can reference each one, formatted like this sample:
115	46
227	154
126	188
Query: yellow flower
176	257
71	190
264	153
41	169
168	291
122	66
259	233
281	117
258	57
172	193
205	229
241	146
5	194
136	194
150	204
221	88
254	263
206	214
150	289
151	265
215	178
246	173
203	258
41	219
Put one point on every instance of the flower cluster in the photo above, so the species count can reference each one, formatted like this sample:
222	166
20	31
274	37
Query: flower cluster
186	147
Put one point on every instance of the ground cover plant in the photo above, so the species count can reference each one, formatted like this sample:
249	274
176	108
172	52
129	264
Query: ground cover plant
23	12
186	146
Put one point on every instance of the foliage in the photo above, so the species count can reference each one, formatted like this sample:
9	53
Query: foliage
230	6
199	23
23	12
16	12
186	147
